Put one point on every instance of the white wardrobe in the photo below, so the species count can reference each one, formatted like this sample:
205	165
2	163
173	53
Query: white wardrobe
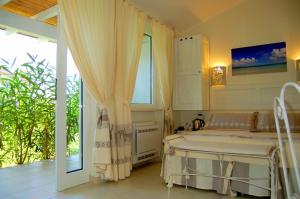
191	74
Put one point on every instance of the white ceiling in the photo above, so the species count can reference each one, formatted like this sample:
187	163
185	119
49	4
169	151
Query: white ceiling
182	14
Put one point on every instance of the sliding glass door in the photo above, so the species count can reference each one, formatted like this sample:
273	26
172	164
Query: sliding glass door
74	117
71	161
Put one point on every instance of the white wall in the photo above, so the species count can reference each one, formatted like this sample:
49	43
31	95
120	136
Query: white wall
252	22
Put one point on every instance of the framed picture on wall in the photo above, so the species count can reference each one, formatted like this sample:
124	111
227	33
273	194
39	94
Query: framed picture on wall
267	58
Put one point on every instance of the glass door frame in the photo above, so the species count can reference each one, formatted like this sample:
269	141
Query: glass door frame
80	120
65	179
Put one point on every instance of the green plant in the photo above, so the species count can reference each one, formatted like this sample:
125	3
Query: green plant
27	107
28	102
73	92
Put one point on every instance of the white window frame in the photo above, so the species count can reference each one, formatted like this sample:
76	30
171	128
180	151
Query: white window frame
156	96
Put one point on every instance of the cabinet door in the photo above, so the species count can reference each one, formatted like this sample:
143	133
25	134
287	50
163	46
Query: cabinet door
195	54
187	54
187	92
182	61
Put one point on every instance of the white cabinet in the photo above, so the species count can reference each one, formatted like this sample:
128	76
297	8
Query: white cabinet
191	74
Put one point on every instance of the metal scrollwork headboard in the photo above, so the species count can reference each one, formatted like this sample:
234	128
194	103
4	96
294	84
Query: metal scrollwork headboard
280	114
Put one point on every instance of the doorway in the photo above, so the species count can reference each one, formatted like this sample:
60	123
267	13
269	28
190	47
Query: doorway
31	116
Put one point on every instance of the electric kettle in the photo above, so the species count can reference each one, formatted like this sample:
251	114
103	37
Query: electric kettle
198	124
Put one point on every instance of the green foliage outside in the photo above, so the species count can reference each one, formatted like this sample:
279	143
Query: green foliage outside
27	112
73	97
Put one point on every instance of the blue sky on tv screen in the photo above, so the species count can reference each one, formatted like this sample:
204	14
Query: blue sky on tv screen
268	54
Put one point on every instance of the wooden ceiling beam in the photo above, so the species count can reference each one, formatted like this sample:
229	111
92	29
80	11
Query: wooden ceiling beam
3	2
46	14
26	25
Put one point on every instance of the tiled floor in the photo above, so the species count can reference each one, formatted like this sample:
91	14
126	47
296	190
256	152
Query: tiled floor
37	182
32	181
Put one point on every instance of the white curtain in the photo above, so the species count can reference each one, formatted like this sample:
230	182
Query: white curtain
163	38
105	39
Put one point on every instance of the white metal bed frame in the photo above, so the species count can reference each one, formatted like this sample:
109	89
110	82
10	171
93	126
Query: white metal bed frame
281	114
271	157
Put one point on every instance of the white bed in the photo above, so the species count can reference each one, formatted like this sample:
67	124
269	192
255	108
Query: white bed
203	152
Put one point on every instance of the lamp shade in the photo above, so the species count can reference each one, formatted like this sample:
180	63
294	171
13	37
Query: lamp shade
218	76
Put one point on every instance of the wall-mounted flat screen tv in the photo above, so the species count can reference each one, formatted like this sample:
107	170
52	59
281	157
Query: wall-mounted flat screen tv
267	58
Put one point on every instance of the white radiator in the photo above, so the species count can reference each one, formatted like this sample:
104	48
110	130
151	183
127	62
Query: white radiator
146	141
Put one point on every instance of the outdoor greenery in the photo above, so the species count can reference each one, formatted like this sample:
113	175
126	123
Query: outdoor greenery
73	92
27	112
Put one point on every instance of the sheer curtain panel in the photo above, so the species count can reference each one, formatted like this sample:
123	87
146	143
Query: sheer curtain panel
163	38
105	39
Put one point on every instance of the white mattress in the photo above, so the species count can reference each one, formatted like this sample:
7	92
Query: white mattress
242	149
229	141
234	137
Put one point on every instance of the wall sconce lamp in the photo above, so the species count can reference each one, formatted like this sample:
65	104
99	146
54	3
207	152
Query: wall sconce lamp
218	76
298	69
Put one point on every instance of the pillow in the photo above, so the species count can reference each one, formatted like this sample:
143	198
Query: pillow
266	122
254	121
233	121
294	122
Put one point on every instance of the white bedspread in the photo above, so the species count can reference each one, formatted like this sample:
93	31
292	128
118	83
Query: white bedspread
222	141
231	141
233	136
227	148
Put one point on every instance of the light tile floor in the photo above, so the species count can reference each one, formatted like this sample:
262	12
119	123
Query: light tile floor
37	182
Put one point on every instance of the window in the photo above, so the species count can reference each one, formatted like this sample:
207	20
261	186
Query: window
143	92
